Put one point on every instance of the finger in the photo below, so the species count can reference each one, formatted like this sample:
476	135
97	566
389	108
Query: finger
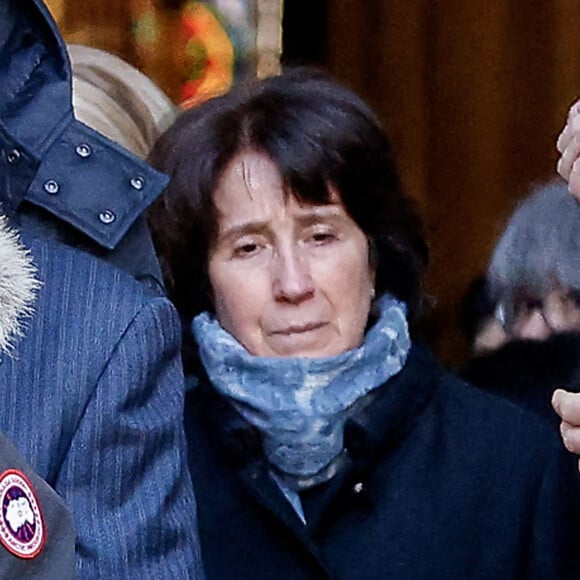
574	180
569	157
570	127
570	437
574	109
564	138
567	405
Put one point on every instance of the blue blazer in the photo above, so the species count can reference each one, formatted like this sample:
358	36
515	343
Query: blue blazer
92	397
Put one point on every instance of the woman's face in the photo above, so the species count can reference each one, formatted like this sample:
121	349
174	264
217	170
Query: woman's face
288	279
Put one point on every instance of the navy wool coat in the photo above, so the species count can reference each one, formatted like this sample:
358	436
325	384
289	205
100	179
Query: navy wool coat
528	372
444	482
92	397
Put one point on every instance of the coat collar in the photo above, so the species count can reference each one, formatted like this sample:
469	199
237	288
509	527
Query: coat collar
47	157
369	436
395	411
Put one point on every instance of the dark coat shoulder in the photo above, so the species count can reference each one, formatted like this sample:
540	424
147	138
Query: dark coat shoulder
443	481
528	371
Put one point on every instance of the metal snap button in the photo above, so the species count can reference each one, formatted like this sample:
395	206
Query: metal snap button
83	150
51	187
358	487
13	156
107	217
137	183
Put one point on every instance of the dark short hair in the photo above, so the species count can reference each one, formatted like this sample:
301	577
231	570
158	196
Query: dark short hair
319	135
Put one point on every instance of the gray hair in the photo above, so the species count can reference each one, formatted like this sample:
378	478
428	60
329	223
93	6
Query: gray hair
117	100
539	248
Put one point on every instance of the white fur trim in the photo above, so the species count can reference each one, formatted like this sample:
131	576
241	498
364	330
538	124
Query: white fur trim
18	286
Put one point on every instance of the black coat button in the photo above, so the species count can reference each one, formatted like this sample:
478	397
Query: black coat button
107	217
51	187
13	156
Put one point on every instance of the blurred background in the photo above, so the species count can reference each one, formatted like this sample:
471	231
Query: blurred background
473	94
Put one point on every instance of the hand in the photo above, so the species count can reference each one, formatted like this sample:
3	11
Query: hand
568	145
567	405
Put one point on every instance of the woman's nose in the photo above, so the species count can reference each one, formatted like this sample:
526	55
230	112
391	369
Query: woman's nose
292	280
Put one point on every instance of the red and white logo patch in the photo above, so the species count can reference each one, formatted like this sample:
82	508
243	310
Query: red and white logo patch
21	522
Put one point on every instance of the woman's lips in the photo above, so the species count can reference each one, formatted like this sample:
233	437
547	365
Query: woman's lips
299	329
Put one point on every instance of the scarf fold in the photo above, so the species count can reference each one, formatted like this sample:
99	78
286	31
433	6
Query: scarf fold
300	405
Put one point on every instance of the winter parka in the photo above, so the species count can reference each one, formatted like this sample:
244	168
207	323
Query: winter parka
59	178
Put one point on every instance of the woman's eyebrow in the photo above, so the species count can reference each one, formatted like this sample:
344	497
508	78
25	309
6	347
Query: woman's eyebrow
316	213
306	216
242	229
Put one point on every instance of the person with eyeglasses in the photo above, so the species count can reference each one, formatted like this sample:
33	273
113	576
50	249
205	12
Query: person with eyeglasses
534	272
537	317
534	281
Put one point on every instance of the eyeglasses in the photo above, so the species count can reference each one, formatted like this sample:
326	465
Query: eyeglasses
560	311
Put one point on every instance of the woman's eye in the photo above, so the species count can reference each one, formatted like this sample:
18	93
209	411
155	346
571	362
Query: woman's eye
323	237
245	249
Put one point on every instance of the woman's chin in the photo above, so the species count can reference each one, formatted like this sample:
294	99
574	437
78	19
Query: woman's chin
312	344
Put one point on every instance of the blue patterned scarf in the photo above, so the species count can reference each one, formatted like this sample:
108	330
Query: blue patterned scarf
300	405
